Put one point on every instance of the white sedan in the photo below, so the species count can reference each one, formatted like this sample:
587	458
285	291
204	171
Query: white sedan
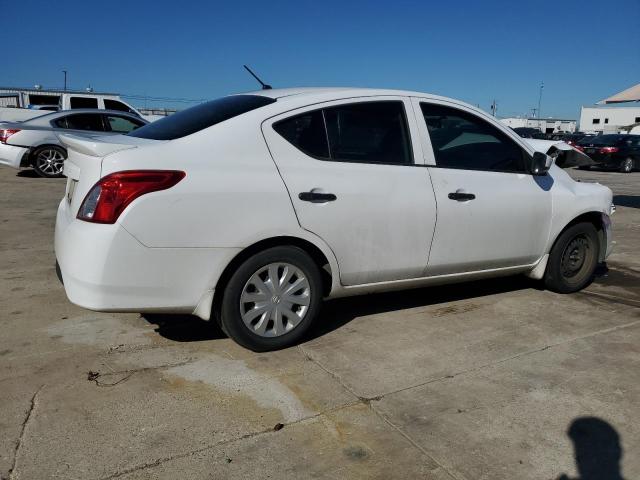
252	208
35	143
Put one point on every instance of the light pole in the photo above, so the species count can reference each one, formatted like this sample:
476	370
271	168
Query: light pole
65	80
540	98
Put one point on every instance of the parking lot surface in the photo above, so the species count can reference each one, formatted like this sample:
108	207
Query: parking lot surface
489	380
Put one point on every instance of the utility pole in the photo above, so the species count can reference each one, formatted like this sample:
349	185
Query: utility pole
65	80
494	107
540	98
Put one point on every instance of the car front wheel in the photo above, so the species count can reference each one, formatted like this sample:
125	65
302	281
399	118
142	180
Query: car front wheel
48	161
272	299
573	259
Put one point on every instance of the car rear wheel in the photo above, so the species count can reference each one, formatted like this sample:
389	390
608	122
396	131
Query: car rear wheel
48	161
573	259
627	165
272	299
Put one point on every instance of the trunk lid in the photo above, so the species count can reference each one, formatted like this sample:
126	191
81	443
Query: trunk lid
83	166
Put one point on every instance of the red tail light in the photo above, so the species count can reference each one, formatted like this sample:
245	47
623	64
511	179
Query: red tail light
110	196
6	133
609	149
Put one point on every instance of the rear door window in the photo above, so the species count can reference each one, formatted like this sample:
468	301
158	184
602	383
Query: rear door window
118	124
202	116
369	132
366	132
84	102
306	132
84	121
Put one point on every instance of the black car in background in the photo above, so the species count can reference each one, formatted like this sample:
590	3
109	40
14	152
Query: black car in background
621	152
573	138
528	132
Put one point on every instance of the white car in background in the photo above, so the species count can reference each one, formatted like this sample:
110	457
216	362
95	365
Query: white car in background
253	208
35	142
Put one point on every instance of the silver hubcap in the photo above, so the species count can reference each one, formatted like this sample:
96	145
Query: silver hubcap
628	165
50	162
275	300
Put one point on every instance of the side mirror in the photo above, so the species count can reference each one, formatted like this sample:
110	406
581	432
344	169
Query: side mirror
540	163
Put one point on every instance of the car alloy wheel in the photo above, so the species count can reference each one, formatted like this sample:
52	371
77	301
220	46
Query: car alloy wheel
50	162
275	299
627	165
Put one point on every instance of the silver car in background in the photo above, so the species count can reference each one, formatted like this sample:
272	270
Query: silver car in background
35	143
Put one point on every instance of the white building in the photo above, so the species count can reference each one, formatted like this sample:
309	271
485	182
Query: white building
545	125
614	114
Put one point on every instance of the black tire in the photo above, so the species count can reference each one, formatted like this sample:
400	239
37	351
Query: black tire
626	166
230	314
573	259
48	160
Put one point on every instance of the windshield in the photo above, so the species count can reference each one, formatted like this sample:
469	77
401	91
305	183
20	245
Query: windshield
200	117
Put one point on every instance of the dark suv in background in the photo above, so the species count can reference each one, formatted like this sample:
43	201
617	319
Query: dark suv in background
528	132
621	152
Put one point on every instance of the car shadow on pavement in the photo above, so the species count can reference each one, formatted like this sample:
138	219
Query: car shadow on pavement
631	201
338	312
27	174
597	449
184	328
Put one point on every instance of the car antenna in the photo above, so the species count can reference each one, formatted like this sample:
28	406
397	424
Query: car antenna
264	85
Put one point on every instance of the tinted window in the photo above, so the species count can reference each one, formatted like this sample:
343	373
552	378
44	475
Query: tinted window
462	140
200	117
84	102
122	124
372	132
84	121
306	132
596	121
115	105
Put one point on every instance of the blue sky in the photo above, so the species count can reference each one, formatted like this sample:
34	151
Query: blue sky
472	50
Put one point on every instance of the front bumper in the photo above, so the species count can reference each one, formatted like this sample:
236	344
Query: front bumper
608	235
11	155
105	268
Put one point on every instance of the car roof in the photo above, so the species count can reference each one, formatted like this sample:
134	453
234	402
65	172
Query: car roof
302	96
311	93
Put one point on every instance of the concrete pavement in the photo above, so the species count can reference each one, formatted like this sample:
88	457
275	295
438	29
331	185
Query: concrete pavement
471	381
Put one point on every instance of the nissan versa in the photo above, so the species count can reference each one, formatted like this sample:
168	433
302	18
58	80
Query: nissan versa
252	208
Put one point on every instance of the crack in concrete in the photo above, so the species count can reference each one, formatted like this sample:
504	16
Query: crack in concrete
23	430
504	360
630	302
335	376
369	400
415	444
272	430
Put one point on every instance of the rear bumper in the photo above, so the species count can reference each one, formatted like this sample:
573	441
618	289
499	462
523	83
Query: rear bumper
11	155
607	161
104	268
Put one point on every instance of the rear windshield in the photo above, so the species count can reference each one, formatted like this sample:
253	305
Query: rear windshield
603	140
200	117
